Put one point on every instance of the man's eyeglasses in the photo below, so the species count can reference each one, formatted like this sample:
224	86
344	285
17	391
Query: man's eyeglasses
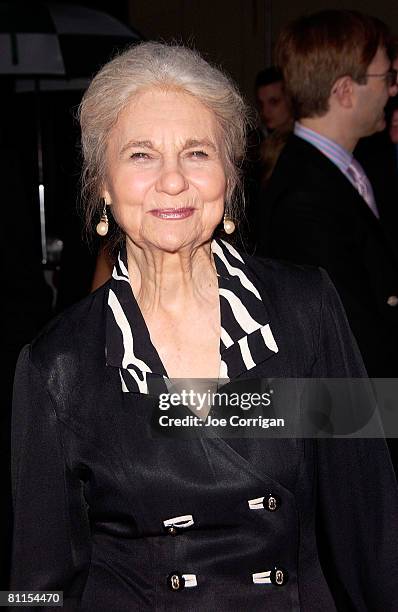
390	77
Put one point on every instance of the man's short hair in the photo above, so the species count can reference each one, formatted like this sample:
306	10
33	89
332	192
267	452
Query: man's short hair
316	50
268	76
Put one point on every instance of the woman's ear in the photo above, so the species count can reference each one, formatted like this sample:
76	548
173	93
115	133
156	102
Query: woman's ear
105	195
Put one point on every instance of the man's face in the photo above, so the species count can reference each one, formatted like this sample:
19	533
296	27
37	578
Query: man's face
393	131
372	97
273	105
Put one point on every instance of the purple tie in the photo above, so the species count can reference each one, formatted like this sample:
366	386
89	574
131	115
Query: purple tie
362	185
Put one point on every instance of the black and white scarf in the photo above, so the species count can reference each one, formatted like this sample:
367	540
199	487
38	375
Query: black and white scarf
246	336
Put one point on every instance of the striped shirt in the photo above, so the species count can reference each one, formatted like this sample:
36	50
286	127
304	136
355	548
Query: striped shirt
337	154
246	337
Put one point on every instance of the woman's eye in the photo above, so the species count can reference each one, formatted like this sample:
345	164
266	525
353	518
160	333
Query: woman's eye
198	154
139	155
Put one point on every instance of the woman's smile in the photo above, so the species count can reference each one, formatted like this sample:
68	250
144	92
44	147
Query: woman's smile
172	214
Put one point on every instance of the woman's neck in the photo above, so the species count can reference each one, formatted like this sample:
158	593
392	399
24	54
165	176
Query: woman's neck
170	282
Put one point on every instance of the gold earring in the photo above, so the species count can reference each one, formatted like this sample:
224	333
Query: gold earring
103	225
229	225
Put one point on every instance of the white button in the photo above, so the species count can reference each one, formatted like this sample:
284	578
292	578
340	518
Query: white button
279	577
273	503
180	521
256	504
190	580
262	578
392	300
175	582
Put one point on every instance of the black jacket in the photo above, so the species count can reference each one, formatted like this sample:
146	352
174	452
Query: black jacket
312	214
378	157
92	486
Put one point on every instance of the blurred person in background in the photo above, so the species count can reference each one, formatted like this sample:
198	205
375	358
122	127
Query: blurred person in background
319	206
265	142
271	100
274	116
378	154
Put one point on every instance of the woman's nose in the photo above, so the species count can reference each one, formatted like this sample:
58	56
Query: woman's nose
171	179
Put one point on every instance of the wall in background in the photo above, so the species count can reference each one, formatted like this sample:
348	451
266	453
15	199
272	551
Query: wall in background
232	33
285	10
237	34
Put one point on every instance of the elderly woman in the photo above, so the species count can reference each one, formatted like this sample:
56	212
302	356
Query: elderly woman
121	519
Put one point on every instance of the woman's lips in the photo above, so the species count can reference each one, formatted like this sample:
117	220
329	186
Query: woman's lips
172	213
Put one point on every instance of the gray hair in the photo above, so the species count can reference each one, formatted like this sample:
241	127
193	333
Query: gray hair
153	64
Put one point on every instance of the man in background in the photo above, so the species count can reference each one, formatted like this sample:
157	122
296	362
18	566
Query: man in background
272	102
274	122
378	155
319	207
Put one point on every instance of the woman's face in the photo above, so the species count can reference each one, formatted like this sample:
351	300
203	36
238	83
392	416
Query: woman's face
165	179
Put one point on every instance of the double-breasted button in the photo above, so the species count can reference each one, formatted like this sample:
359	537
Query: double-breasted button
392	300
273	502
279	576
175	581
173	525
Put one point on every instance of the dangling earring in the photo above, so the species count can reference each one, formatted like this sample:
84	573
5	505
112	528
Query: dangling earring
229	225
103	225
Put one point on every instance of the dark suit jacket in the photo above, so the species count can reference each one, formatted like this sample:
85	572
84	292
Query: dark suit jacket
92	485
312	214
378	157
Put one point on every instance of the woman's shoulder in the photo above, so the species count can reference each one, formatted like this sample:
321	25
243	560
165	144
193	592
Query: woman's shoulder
287	282
292	291
80	325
